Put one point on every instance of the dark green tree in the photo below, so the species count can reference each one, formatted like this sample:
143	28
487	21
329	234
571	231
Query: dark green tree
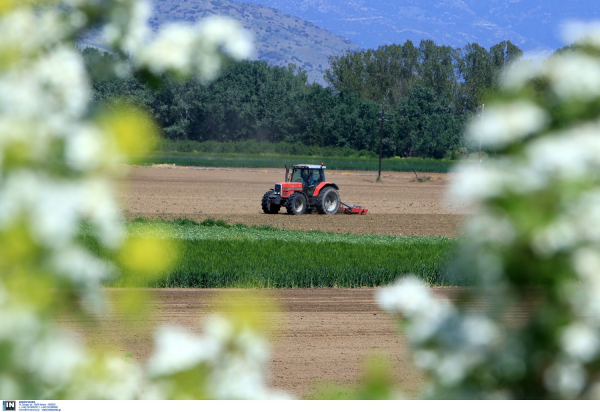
436	69
503	54
107	87
424	126
477	70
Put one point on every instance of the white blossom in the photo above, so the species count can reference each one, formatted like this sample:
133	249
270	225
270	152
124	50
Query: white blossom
480	331
55	358
566	379
171	50
575	77
453	368
113	378
471	184
176	46
586	261
575	226
518	74
580	341
27	32
235	358
20	324
178	350
571	154
217	31
103	211
504	124
138	31
53	90
553	238
582	33
85	148
408	296
81	266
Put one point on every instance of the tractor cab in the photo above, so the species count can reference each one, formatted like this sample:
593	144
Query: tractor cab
309	175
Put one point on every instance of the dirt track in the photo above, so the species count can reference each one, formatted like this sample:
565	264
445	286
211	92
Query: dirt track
399	205
324	335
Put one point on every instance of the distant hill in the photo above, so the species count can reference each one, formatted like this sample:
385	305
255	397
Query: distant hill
533	25
279	38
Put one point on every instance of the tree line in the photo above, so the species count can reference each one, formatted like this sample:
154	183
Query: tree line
425	94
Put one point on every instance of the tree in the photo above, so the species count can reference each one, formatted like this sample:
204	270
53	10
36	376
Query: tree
476	69
372	74
255	101
481	71
424	126
437	69
503	54
340	120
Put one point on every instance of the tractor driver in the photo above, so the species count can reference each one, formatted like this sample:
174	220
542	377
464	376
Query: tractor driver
310	178
306	177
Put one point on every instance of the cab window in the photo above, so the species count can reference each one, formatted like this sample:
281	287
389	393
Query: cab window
297	176
317	176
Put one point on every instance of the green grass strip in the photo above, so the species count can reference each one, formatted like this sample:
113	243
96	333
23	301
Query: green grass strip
218	255
271	161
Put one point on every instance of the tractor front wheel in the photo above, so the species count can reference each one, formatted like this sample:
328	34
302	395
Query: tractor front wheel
267	206
296	204
328	201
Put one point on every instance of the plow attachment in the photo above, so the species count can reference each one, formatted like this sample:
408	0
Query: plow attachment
352	210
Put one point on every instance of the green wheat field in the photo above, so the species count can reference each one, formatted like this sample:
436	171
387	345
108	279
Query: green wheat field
214	254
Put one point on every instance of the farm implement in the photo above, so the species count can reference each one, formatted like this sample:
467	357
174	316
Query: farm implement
352	210
305	189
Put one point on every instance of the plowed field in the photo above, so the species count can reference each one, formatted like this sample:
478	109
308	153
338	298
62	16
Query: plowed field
320	337
399	205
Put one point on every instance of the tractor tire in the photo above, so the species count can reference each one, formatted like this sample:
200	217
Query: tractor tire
328	201
296	204
267	207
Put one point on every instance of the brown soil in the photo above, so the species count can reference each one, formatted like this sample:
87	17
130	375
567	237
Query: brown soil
399	205
320	338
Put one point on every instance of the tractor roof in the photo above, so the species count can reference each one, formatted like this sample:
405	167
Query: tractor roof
309	167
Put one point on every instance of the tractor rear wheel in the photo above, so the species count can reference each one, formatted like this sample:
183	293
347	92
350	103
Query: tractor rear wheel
267	206
296	204
328	201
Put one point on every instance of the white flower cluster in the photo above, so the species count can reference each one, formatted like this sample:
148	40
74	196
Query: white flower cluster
234	359
54	160
178	48
44	95
535	237
462	342
505	124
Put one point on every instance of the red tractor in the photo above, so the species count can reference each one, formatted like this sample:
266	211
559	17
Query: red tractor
303	190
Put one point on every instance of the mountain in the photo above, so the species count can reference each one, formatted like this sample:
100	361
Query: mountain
533	25
279	38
